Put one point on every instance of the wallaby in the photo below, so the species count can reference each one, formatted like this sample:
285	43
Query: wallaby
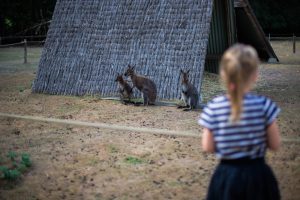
189	93
143	84
125	89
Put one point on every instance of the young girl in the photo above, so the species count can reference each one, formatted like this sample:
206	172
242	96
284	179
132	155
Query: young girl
239	127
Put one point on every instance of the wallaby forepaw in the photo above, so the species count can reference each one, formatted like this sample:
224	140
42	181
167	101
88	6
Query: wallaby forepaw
187	109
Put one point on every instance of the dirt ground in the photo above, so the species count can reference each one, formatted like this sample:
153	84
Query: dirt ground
90	163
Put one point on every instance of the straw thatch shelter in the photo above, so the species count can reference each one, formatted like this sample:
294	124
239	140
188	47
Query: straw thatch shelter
90	41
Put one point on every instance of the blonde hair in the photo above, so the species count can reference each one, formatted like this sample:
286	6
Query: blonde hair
238	64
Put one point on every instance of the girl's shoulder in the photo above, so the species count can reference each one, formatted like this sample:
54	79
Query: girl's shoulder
222	101
218	101
252	97
269	108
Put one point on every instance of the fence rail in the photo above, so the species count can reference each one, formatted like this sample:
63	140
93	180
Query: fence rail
275	38
31	39
281	37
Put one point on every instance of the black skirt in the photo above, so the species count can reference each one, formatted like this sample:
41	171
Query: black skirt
245	179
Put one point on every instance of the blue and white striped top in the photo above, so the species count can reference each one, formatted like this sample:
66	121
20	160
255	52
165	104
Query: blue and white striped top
245	138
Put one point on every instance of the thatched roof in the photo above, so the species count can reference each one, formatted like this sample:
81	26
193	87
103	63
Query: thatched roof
90	41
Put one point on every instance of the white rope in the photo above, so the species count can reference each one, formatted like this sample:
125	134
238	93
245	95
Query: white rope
102	125
8	45
119	127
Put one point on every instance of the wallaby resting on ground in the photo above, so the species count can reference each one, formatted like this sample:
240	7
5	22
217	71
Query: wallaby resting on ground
125	89
143	84
189	93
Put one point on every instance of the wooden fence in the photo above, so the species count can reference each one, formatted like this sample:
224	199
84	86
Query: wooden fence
284	37
24	43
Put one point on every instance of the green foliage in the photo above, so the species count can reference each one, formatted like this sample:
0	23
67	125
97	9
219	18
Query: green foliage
13	167
13	174
9	174
15	164
26	160
12	155
8	22
21	88
133	160
22	167
3	171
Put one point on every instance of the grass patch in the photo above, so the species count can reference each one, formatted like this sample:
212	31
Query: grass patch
70	108
21	88
137	100
211	86
14	165
12	59
133	160
93	162
174	184
113	149
91	97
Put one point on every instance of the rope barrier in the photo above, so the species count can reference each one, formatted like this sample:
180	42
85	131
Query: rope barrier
19	43
13	44
118	127
23	37
102	125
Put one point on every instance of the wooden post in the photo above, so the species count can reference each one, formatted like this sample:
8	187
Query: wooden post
269	37
294	43
25	51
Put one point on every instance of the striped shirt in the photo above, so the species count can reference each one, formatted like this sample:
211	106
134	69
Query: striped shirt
245	138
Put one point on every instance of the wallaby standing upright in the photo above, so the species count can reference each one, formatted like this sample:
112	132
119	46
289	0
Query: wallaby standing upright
125	89
189	93
143	84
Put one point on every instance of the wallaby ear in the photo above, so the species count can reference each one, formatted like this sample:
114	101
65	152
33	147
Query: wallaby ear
188	71
132	67
181	71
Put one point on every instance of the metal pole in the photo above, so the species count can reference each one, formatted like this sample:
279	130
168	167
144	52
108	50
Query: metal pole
294	43
25	51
